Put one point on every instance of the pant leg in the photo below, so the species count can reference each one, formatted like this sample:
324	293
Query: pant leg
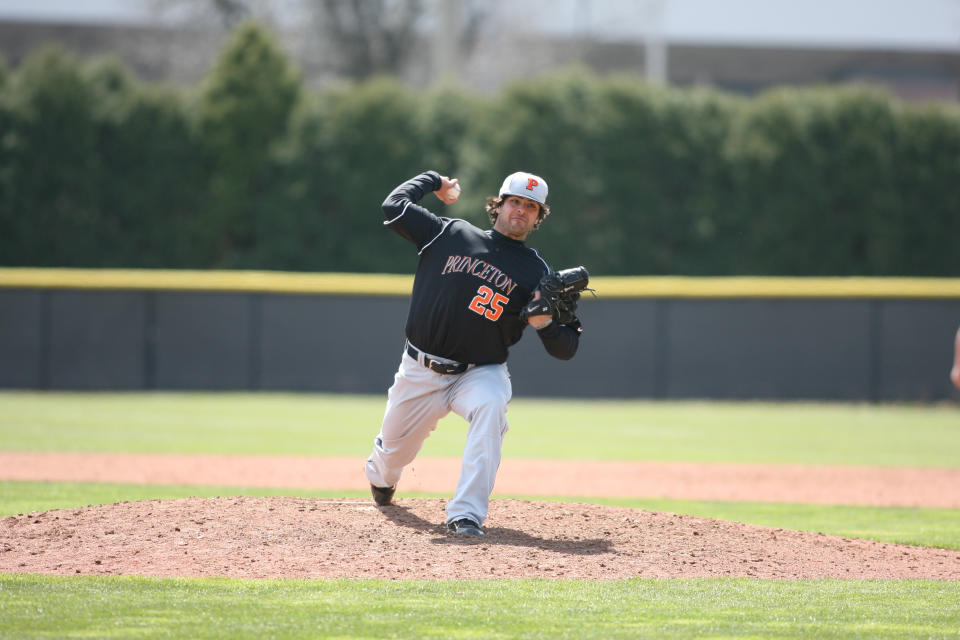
415	403
481	398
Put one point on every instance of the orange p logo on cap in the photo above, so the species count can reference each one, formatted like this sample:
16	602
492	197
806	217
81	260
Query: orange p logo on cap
525	185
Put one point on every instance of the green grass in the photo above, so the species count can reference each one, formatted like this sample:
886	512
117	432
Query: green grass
315	424
925	527
335	425
25	497
55	607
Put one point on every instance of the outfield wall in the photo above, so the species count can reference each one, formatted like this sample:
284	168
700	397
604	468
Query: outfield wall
725	338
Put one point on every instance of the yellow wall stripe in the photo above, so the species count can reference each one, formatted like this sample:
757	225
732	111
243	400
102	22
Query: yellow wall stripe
399	285
249	281
775	287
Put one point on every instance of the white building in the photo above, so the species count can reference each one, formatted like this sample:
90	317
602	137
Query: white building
913	48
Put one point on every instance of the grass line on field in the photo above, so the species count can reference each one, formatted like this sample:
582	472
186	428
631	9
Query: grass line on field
44	606
344	425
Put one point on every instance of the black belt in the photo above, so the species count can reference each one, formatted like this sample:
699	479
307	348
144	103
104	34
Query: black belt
446	368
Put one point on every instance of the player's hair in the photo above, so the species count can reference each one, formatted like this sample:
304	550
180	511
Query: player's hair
495	202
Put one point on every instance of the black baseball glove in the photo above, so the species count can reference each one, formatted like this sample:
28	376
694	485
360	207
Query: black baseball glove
557	296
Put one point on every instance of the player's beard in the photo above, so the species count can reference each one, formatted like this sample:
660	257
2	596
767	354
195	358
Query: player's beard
518	227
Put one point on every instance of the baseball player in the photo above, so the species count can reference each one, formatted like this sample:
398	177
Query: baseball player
469	291
955	371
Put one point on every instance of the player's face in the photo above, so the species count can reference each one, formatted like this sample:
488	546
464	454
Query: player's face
517	217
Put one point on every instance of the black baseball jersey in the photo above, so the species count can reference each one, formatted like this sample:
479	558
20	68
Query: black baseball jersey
470	284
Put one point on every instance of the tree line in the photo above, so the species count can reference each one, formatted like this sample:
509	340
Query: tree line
251	170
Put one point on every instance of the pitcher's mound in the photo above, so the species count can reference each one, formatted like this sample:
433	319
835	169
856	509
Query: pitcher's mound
320	538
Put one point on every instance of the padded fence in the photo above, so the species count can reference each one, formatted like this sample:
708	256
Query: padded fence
860	339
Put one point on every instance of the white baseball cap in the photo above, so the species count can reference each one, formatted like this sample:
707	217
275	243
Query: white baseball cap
525	185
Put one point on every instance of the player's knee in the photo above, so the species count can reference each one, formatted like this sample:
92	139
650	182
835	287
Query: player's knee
491	401
489	410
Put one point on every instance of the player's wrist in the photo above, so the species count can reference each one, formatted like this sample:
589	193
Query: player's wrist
542	325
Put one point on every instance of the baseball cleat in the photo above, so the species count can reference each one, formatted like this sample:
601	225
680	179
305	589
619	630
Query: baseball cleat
382	495
466	527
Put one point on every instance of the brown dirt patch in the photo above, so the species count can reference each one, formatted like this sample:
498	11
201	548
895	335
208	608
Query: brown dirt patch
313	538
318	538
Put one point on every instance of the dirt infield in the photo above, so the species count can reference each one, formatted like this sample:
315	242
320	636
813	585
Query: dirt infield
312	538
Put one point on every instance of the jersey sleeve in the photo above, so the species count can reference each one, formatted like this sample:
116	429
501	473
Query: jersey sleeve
406	217
560	340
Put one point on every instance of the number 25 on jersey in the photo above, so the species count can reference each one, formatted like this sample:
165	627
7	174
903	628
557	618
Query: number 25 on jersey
487	303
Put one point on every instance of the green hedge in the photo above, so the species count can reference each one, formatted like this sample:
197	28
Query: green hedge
250	170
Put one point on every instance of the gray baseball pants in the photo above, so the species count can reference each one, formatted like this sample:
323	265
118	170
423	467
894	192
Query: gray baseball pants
418	399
